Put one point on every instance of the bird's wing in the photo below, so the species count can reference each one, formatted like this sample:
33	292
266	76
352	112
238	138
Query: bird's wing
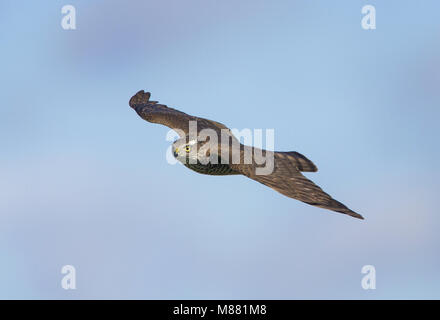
287	179
153	111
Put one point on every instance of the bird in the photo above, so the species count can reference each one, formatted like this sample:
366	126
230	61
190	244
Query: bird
286	176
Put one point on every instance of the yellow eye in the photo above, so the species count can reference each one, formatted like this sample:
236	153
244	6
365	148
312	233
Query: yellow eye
187	148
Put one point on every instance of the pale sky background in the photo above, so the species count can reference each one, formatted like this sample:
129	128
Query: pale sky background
84	181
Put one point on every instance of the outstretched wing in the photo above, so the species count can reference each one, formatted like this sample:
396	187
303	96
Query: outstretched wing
287	179
155	112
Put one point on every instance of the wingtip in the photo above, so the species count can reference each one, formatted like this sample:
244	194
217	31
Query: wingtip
350	213
356	215
140	97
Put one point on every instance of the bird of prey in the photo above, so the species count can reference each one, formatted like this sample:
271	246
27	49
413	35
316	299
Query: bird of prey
286	176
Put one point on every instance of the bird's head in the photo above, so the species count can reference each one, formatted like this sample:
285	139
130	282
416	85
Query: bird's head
184	150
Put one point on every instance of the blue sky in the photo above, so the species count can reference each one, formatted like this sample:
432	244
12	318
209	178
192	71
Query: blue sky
84	181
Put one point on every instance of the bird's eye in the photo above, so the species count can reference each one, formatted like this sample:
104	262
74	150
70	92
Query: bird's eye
187	148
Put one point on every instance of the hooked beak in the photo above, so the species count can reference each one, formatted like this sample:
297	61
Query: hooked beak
176	152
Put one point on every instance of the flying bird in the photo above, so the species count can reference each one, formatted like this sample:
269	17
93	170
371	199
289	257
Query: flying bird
286	176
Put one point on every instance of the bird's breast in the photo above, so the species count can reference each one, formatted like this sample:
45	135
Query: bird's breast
218	169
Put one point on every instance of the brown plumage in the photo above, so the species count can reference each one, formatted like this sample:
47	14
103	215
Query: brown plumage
286	177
